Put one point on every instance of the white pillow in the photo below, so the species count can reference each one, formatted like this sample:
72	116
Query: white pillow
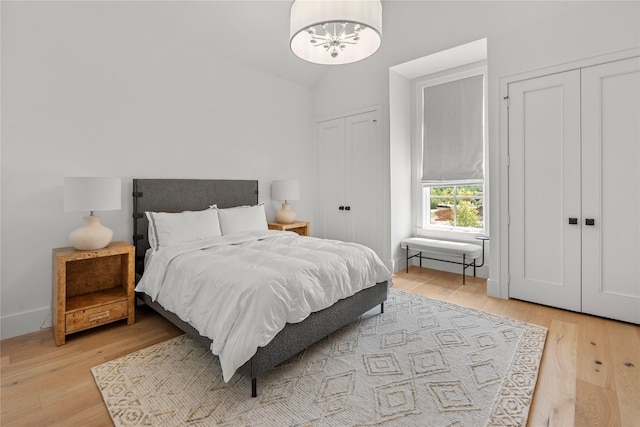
167	229
242	219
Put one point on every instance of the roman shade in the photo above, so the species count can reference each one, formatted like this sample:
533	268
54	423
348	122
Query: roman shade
452	138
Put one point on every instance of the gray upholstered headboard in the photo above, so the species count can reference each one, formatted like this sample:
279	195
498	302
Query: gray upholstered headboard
177	195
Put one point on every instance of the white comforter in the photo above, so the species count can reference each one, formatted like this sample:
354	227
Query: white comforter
241	290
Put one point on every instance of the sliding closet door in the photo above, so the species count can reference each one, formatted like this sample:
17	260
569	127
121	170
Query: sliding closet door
611	190
544	190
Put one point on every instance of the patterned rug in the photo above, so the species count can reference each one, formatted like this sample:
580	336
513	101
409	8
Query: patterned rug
423	362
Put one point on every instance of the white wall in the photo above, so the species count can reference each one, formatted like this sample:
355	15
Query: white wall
521	36
400	160
85	93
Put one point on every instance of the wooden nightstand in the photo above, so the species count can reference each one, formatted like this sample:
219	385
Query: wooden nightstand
91	288
300	227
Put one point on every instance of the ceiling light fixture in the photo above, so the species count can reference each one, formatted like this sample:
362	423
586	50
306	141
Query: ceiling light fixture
334	32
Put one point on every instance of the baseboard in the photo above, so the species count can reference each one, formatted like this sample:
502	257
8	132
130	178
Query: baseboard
26	322
493	289
397	264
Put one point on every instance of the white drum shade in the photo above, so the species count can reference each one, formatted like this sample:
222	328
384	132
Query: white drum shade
92	194
285	190
305	14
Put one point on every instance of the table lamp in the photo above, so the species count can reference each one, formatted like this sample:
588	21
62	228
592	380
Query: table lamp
91	194
285	190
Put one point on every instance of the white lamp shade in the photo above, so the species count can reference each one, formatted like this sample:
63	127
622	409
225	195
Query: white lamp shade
308	13
92	194
285	190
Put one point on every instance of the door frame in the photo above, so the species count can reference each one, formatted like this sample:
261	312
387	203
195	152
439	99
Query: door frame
375	107
500	234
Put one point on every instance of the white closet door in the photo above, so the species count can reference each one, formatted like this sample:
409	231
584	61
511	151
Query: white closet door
544	190
351	176
363	180
611	190
332	171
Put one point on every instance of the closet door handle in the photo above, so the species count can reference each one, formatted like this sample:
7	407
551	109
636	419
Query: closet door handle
589	221
573	221
341	208
347	208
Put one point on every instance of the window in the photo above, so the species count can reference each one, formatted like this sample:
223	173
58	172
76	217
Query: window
450	137
457	206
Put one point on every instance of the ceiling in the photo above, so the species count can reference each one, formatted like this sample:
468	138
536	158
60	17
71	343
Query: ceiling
251	33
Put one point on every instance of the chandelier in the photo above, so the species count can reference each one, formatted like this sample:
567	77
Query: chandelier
335	31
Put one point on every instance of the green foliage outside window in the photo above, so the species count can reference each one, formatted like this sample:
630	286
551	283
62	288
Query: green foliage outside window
438	196
463	202
467	215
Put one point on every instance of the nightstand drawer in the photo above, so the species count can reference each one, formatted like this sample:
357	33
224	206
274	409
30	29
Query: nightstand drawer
90	317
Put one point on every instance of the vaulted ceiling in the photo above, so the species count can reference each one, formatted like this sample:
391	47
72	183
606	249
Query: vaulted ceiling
252	33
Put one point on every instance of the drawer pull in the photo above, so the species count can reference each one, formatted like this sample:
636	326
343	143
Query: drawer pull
99	316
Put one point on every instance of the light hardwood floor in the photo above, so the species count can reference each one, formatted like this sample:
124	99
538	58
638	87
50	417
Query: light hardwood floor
589	376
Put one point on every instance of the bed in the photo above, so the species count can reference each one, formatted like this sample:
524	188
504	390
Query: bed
178	195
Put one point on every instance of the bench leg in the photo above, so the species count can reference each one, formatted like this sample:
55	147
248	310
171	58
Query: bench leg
407	258
254	387
464	267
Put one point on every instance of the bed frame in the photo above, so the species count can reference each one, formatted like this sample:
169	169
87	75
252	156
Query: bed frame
177	195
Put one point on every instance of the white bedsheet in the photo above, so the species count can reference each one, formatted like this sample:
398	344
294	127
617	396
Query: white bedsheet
241	290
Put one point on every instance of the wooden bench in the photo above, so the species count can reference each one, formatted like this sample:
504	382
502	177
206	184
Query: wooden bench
469	252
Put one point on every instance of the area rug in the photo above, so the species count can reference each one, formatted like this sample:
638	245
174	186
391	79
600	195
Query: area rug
421	363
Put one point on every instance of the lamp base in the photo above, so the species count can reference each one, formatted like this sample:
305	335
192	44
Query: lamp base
92	235
286	215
